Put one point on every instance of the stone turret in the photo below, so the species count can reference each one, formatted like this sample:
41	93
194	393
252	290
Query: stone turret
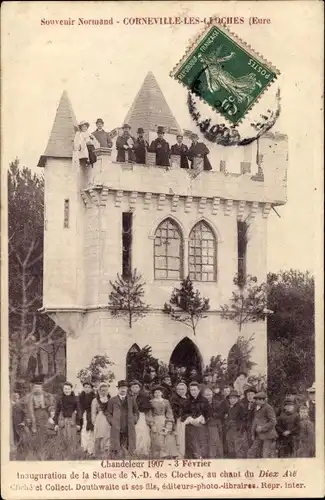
85	213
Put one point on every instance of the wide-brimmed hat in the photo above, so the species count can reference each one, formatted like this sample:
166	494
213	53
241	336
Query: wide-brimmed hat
140	130
126	126
122	383
312	388
260	395
233	394
83	122
249	388
135	382
39	379
160	130
158	388
100	120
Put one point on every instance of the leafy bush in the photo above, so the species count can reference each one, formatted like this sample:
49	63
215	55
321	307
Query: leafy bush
97	371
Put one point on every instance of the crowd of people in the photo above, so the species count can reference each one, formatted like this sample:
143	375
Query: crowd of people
163	417
133	150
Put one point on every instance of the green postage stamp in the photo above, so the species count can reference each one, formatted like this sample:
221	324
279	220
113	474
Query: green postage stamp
225	72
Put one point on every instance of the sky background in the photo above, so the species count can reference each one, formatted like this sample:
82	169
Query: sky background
103	67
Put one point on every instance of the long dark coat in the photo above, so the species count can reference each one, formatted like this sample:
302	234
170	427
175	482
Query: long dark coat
214	429
161	148
140	148
178	405
196	438
200	150
113	416
287	444
182	150
121	141
249	416
235	428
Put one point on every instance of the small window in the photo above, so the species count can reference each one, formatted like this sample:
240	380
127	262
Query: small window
126	243
66	214
242	250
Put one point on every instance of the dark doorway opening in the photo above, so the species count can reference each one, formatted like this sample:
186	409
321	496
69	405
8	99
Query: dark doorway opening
186	354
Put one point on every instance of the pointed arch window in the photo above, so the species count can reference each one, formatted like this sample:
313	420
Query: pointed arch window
168	251
202	253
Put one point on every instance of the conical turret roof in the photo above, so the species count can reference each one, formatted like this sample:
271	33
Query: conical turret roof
150	108
60	142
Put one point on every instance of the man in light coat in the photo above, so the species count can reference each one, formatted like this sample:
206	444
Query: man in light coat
263	429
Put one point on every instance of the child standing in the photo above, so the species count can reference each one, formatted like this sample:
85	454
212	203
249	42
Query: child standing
306	434
51	445
287	428
169	448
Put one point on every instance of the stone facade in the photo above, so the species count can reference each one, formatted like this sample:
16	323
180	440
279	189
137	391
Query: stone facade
81	259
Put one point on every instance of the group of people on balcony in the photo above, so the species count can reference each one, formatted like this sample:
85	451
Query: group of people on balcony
86	143
133	150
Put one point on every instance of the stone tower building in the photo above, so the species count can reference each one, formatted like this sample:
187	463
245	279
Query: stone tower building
180	226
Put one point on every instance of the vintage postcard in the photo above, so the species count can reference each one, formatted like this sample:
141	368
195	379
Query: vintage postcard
161	270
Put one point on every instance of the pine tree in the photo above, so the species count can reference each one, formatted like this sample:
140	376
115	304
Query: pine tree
248	303
186	305
125	299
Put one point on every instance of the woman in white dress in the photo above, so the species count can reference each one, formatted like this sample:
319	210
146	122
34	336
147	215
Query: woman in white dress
85	144
142	430
87	431
102	429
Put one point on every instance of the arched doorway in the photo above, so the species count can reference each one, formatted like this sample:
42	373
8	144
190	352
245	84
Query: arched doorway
186	354
131	361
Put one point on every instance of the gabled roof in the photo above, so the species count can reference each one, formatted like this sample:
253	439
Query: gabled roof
60	142
150	109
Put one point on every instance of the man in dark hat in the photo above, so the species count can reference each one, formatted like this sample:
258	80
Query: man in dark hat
235	431
198	153
263	429
140	147
161	147
125	146
180	149
122	414
248	404
102	137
